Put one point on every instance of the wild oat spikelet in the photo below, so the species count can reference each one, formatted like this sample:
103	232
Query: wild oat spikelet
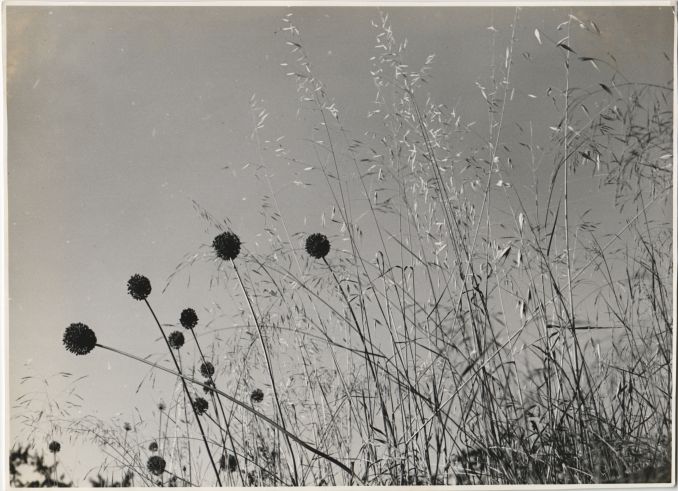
139	287
317	246
226	245
156	465
79	339
188	318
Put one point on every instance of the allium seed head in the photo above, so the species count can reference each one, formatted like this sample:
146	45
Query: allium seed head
207	369
257	395
317	246
153	447
139	287
226	245
188	318
232	463
200	405
156	465
176	340
79	339
54	447
209	389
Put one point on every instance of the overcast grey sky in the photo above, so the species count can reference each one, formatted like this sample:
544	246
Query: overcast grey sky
119	117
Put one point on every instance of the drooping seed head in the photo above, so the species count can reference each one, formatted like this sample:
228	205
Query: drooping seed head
156	465
257	395
139	287
153	447
226	245
200	405
54	446
317	246
176	340
207	369
79	339
188	318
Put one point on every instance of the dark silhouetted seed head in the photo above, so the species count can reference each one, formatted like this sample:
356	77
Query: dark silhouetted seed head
317	246
200	406
210	387
79	339
226	245
257	395
188	318
207	369
161	406
156	465
176	340
139	287
153	447
232	463
54	447
127	426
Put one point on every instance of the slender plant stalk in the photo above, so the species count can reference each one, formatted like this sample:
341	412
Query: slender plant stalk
188	440
270	370
248	408
197	417
221	406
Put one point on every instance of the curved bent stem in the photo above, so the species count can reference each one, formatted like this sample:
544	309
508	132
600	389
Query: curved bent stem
245	406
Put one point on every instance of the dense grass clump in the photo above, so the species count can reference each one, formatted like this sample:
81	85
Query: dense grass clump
474	323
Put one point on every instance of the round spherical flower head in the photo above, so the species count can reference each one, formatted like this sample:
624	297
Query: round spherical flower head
226	245
153	447
156	465
200	405
317	246
176	340
127	426
257	395
139	287
209	387
207	369
79	339
188	318
54	447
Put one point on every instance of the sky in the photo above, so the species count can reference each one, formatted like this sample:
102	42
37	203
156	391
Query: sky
119	119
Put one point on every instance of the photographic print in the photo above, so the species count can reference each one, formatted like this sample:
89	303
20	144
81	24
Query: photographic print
324	245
